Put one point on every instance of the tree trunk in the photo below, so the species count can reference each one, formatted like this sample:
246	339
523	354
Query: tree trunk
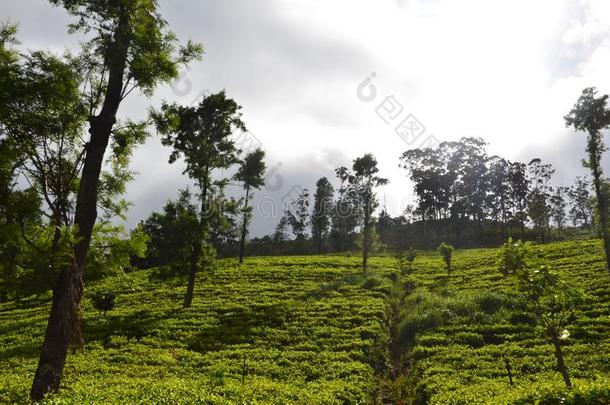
504	225
320	240
601	206
244	228
560	363
190	289
63	326
367	235
196	253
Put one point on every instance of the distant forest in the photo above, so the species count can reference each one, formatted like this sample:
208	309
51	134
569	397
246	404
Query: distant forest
463	196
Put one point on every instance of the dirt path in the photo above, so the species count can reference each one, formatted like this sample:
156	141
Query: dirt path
391	381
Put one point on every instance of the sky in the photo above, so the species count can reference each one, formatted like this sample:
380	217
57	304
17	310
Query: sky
323	82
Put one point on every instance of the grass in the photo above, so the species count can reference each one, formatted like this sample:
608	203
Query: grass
308	329
460	330
314	330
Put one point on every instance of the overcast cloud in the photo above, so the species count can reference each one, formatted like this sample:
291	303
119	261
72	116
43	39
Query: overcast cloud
506	71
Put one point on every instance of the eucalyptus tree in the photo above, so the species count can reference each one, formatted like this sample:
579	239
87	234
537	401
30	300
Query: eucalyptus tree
498	199
475	179
558	206
202	136
344	215
322	209
581	204
539	209
280	233
519	191
298	216
128	48
364	178
251	173
590	114
427	171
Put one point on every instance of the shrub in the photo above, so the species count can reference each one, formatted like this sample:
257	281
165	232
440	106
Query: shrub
410	255
513	257
372	282
405	260
523	317
491	302
473	340
446	251
103	301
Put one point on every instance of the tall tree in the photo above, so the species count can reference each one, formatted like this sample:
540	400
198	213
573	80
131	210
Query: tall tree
344	216
540	193
322	208
252	174
475	179
298	216
519	191
450	181
280	234
202	136
591	115
129	48
365	180
223	220
581	206
499	189
558	205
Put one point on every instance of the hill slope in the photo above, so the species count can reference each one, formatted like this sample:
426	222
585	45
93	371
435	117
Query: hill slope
313	330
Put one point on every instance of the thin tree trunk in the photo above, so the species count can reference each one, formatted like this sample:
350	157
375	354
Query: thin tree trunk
320	240
560	363
601	207
190	289
504	226
244	228
196	253
63	326
367	236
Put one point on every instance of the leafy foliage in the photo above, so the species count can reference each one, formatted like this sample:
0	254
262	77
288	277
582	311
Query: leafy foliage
513	257
446	252
103	301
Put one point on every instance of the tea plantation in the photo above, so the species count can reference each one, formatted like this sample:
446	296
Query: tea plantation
314	330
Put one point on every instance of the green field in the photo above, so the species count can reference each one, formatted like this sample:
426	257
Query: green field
312	329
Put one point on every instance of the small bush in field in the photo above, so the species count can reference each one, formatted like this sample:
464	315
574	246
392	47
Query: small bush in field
406	259
513	257
410	255
103	301
446	252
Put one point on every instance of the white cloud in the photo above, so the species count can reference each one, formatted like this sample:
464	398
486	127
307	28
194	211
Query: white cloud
504	70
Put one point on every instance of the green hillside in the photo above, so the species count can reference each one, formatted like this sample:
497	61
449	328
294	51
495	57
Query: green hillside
312	329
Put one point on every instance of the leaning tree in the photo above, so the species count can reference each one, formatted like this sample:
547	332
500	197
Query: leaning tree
128	48
590	114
